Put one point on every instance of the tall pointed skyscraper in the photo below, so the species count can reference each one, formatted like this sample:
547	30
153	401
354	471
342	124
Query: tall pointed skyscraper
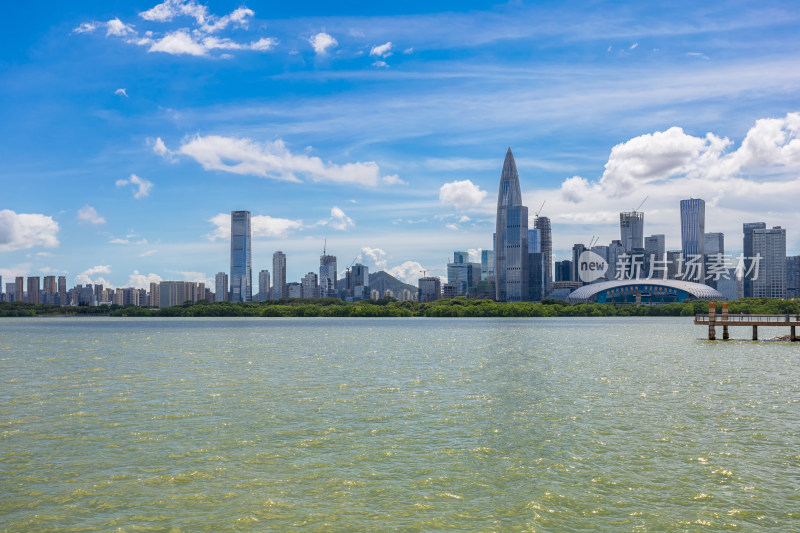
511	237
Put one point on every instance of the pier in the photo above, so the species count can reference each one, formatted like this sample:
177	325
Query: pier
712	320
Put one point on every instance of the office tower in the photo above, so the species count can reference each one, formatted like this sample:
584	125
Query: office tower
294	290
714	243
220	287
357	282
747	252
310	286
487	265
430	289
770	244
675	269
534	241
19	289
241	276
714	260
33	290
615	252
793	276
62	290
546	237
279	290
10	295
577	250
631	228
49	284
693	224
263	286
655	245
155	293
511	237
328	276
564	270
461	273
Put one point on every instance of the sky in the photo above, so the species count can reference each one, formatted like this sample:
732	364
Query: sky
130	130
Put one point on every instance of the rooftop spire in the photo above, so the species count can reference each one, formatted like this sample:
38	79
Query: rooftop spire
509	193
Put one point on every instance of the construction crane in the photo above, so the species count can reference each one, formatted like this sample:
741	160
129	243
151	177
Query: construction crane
424	273
540	209
641	204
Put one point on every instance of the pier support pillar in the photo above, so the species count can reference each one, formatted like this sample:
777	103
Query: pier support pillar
793	335
755	333
725	335
712	332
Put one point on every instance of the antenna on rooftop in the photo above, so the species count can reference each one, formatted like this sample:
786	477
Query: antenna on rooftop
324	246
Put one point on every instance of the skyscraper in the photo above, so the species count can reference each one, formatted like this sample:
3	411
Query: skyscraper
631	229
511	237
220	287
263	286
487	264
770	244
655	244
279	290
747	252
693	226
327	275
546	238
241	276
33	289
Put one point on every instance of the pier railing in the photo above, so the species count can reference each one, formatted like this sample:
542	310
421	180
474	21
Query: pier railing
725	319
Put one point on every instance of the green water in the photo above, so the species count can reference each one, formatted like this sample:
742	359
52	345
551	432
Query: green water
631	424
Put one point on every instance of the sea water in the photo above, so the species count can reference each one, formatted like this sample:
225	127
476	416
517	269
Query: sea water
556	424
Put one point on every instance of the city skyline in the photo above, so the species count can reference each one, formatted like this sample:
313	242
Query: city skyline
138	163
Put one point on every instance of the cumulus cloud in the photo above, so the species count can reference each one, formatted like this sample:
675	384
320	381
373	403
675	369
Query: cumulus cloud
339	220
264	44
121	92
380	64
161	149
118	28
321	42
88	214
461	194
394	179
375	256
20	231
142	185
408	272
260	226
143	281
383	50
93	276
274	160
575	189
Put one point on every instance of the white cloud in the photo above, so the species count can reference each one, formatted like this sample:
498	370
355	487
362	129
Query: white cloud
127	240
375	256
121	92
321	42
575	189
264	44
148	253
161	149
178	43
380	64
408	51
464	218
383	50
9	273
143	186
118	28
88	214
260	226
634	46
86	27
394	179
274	160
19	231
170	9
408	272
461	194
454	227
90	276
143	281
339	220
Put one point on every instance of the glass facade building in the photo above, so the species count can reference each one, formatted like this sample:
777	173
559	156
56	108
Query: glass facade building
241	276
511	237
693	228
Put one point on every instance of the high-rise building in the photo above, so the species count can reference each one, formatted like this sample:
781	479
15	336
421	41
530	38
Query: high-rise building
310	285
487	264
714	260
62	290
511	237
155	293
279	290
714	243
793	276
546	237
770	244
747	252
462	274
577	250
631	228
564	270
19	289
693	227
655	244
430	289
263	286
241	276
328	276
33	289
220	287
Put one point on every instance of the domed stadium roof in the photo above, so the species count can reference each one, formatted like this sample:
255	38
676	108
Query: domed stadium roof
588	293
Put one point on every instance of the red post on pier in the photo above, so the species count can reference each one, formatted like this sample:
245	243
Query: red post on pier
712	312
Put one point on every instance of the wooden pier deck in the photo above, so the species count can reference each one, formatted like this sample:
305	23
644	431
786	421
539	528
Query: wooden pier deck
712	320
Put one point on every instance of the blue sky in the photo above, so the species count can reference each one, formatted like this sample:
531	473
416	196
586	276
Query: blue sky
131	129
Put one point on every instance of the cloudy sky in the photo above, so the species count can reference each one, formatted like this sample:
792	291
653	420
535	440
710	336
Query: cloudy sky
132	129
